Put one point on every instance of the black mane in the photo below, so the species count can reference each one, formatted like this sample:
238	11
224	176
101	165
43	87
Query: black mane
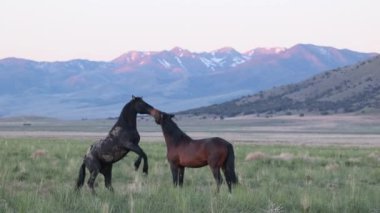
172	129
127	117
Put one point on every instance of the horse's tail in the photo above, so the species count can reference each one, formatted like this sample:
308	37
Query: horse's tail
230	164
81	177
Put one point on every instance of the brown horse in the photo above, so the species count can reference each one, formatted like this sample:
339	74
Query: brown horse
183	151
122	138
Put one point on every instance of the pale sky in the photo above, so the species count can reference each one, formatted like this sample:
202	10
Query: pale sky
49	30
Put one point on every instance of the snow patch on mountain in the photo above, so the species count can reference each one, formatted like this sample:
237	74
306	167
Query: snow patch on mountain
207	62
237	61
218	61
164	63
180	62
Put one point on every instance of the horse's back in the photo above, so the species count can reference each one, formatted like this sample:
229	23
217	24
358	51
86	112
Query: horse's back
216	149
217	141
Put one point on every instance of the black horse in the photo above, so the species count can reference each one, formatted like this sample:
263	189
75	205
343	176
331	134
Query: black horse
122	138
183	151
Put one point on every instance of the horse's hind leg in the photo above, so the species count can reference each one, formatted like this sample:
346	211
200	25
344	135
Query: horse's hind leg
91	180
217	176
228	179
107	172
94	168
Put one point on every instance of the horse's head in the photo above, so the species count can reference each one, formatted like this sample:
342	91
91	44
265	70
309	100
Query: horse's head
144	108
164	117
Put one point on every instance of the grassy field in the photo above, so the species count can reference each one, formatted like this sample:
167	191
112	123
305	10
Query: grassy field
38	175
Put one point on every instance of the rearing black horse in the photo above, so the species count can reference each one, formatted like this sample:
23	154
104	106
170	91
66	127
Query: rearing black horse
122	138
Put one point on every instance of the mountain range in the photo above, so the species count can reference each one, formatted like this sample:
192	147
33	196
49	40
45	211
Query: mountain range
350	89
171	80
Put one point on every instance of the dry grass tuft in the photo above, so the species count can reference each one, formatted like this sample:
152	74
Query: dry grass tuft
136	185
284	156
305	203
39	153
332	167
307	158
374	155
256	156
273	208
105	207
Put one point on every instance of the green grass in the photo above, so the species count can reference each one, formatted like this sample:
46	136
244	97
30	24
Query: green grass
39	176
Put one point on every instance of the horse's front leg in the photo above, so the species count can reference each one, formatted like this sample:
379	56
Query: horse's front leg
137	149
138	162
181	173
175	173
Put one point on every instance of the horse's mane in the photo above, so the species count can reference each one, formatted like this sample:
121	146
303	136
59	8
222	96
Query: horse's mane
121	121
125	108
172	129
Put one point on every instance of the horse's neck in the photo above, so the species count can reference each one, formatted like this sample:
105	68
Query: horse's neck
127	119
173	134
169	141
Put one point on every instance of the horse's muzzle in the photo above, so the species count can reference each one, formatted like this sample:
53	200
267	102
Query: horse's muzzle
156	115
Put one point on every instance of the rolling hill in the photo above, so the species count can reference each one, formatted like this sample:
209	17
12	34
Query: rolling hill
354	88
171	80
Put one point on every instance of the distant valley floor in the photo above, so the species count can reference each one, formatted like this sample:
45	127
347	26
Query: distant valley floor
337	130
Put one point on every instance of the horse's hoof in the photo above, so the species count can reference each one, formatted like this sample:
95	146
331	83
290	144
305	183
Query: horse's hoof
137	167
145	170
110	188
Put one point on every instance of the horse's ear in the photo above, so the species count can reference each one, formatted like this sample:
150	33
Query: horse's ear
172	115
133	97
